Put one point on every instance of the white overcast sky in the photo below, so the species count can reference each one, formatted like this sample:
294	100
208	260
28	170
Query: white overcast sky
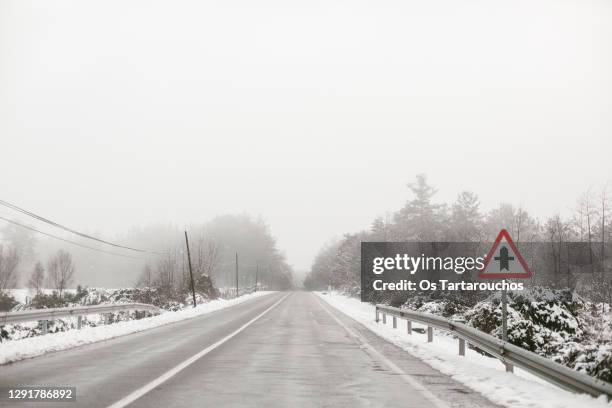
312	114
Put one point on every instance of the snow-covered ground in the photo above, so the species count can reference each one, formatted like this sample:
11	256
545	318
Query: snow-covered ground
11	351
483	374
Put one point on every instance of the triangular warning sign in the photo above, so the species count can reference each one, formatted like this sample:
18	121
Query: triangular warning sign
504	260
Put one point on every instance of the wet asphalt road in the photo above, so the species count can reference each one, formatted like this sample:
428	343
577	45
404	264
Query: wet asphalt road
300	353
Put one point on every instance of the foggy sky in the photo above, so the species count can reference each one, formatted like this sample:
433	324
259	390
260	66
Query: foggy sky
313	115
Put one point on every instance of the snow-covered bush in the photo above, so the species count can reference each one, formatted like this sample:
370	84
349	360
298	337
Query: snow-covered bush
485	316
7	301
205	291
592	359
538	320
552	323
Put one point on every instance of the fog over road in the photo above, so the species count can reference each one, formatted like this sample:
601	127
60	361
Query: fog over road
284	350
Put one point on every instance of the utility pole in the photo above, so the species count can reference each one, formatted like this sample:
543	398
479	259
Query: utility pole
236	274
190	271
256	276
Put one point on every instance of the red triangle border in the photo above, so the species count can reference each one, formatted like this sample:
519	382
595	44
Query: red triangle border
504	234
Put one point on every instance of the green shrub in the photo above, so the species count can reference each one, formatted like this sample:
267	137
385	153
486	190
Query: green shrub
48	301
7	301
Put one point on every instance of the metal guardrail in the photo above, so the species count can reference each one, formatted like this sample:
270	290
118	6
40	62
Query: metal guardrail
57	313
509	354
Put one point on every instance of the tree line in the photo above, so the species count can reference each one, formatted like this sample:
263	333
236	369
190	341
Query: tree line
213	245
422	218
58	275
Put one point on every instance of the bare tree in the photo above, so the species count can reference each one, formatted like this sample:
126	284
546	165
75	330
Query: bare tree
578	220
557	231
167	278
146	277
520	216
605	208
207	256
37	278
9	260
586	203
61	271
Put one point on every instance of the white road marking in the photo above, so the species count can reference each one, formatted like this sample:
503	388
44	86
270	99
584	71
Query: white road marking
172	372
417	385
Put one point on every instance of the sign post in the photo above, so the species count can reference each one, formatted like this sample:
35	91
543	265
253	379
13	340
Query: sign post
504	298
504	261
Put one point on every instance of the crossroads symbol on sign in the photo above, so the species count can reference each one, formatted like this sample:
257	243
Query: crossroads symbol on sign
508	261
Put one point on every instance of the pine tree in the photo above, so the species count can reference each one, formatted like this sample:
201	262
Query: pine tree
466	219
420	219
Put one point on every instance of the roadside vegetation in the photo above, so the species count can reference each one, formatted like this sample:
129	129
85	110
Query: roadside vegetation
564	314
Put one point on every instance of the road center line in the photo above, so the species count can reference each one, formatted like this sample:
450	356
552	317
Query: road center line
172	372
417	385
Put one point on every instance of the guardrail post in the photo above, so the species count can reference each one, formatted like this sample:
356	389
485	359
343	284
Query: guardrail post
377	319
429	334
384	318
461	347
79	322
44	327
509	368
394	322
409	326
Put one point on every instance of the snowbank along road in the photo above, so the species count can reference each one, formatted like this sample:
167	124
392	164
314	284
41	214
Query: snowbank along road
280	350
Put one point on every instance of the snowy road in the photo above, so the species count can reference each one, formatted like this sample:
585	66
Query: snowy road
284	350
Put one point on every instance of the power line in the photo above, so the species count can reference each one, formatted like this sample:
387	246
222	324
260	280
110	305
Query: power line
55	224
67	240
